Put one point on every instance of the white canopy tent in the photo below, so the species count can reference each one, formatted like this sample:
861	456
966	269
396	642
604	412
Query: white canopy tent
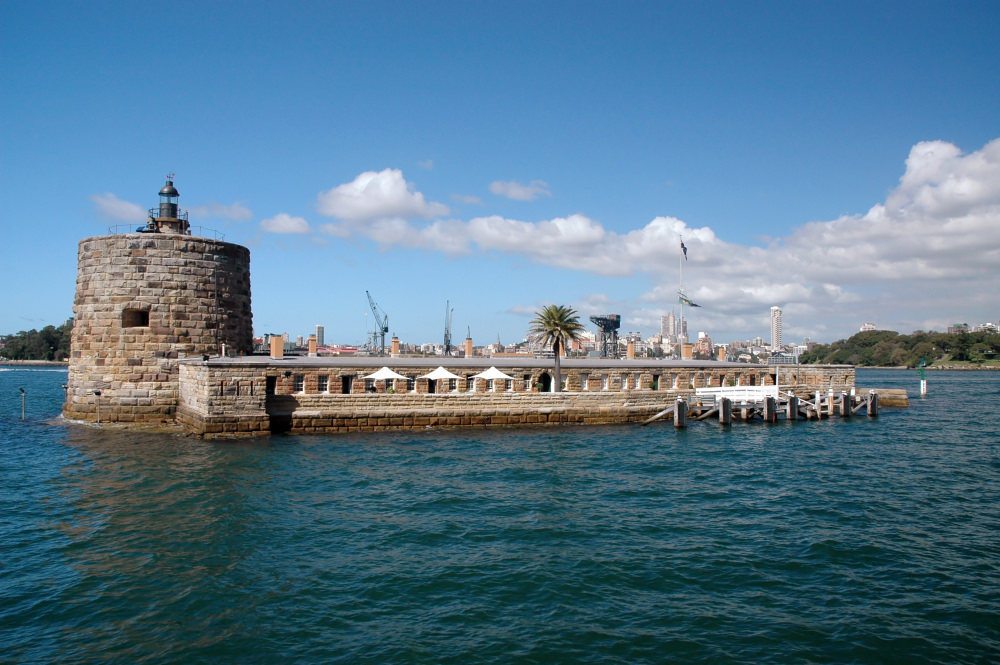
385	373
492	373
439	374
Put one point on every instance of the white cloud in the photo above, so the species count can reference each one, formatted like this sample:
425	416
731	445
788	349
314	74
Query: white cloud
427	164
467	199
373	196
236	212
284	223
111	207
519	192
936	237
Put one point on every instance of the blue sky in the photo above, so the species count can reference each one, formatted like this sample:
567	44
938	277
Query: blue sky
840	160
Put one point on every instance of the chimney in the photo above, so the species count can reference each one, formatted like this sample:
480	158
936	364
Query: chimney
395	347
630	352
277	347
312	346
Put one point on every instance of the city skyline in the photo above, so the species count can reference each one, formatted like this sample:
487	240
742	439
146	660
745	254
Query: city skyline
842	161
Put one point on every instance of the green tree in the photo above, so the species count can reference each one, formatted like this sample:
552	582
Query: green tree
556	325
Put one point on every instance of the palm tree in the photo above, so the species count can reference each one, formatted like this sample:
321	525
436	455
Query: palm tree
556	325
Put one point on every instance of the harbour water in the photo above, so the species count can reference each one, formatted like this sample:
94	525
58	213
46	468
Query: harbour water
859	541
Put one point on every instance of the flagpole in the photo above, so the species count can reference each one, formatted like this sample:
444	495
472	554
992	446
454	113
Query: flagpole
680	270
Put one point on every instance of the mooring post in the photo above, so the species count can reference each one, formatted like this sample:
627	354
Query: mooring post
845	405
792	412
770	410
22	402
97	394
819	405
872	404
830	408
923	381
680	414
726	411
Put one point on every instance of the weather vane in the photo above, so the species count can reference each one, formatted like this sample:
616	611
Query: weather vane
170	176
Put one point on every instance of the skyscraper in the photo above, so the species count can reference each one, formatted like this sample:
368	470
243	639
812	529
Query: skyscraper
319	335
668	325
775	329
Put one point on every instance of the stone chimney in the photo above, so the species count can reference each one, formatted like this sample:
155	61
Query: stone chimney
630	351
687	351
277	347
312	346
468	347
395	347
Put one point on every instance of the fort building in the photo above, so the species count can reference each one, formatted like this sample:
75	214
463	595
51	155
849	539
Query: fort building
163	336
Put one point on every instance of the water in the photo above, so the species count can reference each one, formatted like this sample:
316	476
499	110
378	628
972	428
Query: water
866	541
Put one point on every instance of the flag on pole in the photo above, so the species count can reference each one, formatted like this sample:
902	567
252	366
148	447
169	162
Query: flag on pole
684	301
684	249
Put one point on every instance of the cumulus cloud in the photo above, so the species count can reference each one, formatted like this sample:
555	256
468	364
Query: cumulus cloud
936	235
284	224
519	192
236	212
373	196
111	207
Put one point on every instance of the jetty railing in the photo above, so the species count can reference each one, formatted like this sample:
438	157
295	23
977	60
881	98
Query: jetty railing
739	393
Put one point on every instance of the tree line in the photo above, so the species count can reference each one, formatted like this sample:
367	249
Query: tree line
49	343
886	348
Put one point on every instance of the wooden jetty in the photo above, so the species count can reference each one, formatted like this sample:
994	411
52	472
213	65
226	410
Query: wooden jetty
767	404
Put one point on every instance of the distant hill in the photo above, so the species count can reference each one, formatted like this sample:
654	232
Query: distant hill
49	343
887	348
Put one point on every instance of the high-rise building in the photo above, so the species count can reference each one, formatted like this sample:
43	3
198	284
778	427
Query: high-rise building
668	325
319	335
775	329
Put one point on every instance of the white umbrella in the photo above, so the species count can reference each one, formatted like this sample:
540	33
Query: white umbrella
492	373
439	374
385	373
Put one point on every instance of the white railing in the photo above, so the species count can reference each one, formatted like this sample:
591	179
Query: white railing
739	393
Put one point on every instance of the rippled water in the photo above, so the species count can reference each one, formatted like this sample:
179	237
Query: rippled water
869	541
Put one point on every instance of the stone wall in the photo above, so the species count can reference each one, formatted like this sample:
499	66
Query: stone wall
260	396
143	301
810	378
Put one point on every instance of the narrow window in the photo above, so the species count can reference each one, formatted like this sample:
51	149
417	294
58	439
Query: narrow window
135	318
624	381
656	382
489	385
323	383
605	380
527	382
508	385
584	379
411	384
369	385
452	385
270	385
300	383
470	384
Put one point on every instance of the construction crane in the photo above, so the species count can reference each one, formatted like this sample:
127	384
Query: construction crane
608	326
381	323
448	311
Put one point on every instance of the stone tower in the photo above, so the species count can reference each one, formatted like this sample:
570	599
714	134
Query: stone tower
145	299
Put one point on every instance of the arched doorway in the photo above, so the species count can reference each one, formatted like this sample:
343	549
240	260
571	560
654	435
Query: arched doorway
545	383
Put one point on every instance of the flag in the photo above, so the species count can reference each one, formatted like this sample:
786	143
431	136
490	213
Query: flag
684	301
685	250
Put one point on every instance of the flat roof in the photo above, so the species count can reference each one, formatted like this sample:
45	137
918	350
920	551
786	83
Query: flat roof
622	364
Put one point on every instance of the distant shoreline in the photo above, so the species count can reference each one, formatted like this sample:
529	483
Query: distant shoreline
32	363
956	368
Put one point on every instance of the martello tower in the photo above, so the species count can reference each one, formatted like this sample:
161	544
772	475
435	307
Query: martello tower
145	299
